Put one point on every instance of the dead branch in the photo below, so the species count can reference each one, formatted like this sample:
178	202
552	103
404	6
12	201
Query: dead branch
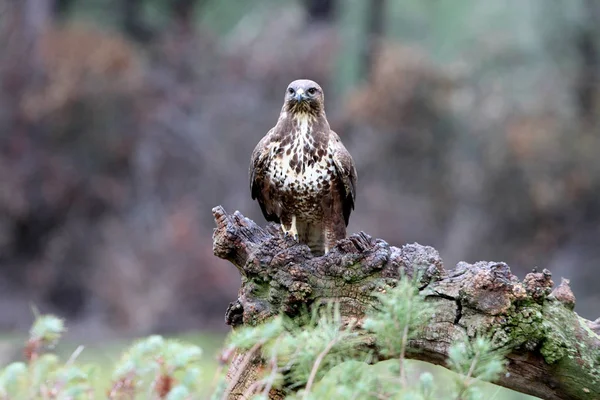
553	353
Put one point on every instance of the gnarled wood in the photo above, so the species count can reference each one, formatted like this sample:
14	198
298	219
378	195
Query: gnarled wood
553	353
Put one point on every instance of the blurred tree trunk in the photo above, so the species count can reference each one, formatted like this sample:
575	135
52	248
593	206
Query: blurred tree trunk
361	26
588	80
375	31
320	10
62	8
183	13
133	21
23	23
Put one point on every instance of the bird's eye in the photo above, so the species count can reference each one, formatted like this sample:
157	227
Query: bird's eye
291	91
312	91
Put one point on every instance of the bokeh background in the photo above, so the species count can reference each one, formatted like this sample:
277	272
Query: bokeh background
473	125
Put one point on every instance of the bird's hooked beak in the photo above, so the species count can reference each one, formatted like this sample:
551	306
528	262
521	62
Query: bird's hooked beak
300	95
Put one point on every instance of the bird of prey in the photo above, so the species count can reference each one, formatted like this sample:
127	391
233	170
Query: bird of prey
301	174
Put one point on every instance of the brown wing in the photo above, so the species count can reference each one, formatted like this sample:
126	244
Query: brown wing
346	172
259	183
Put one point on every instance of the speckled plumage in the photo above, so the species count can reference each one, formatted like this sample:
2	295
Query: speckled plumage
301	174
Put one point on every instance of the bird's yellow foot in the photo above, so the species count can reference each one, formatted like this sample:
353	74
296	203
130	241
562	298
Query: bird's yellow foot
292	231
288	234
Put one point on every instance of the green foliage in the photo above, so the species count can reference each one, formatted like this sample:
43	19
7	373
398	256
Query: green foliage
158	363
304	349
474	361
326	357
326	340
47	329
402	313
316	356
476	358
151	368
13	380
245	338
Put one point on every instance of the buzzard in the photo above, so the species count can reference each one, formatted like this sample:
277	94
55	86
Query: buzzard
301	174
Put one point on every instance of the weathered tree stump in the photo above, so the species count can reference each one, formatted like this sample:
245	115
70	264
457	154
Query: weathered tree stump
553	353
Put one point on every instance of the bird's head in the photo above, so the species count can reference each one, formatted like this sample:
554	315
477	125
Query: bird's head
304	96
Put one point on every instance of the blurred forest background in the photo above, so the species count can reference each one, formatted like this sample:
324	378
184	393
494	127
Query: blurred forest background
473	124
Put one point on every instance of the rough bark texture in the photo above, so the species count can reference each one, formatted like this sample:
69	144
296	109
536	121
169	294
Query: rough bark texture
554	353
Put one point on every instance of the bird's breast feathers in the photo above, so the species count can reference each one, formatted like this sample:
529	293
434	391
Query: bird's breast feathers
301	165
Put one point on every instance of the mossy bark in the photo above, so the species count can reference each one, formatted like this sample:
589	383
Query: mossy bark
552	352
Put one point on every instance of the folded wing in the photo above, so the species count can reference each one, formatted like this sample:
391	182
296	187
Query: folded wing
259	182
346	172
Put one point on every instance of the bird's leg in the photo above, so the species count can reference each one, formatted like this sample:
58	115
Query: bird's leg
294	228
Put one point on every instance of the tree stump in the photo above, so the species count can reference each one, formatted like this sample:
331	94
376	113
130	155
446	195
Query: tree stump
553	353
